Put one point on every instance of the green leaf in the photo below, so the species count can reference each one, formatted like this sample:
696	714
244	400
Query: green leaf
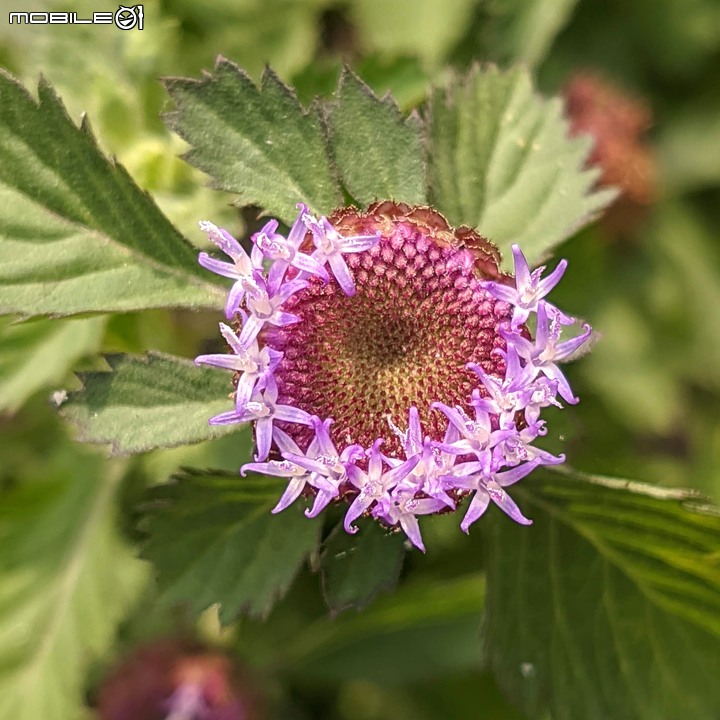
76	234
213	539
523	30
256	142
284	34
689	150
426	629
38	354
635	380
608	607
379	155
149	402
501	161
428	28
355	568
66	581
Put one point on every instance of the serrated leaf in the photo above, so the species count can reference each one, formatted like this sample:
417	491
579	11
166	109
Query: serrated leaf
426	629
76	234
500	160
355	568
256	142
608	607
37	354
156	401
66	581
213	540
378	154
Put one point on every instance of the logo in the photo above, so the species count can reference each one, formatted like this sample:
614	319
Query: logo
125	18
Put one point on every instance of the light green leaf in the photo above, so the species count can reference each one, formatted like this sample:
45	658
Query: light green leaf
281	33
379	155
37	354
213	539
256	142
428	28
501	161
76	234
608	607
689	149
635	380
66	580
523	30
149	402
355	568
426	629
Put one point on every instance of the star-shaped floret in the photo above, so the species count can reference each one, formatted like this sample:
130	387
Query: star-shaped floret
488	484
254	364
477	435
374	482
544	354
245	269
330	246
265	307
263	411
299	475
530	288
324	462
402	506
504	397
517	448
285	252
433	461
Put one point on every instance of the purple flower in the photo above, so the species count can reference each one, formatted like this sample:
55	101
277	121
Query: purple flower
373	483
529	287
263	411
330	247
325	464
518	448
504	398
409	323
544	354
254	364
298	472
477	435
265	307
285	252
403	506
244	269
433	462
488	485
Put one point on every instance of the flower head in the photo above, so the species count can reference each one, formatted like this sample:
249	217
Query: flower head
174	679
385	361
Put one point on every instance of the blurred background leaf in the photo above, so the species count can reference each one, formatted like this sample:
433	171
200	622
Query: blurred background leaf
37	355
67	580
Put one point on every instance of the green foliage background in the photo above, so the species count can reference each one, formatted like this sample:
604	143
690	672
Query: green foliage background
608	610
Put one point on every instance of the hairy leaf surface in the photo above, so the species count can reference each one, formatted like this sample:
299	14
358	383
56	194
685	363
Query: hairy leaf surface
608	607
